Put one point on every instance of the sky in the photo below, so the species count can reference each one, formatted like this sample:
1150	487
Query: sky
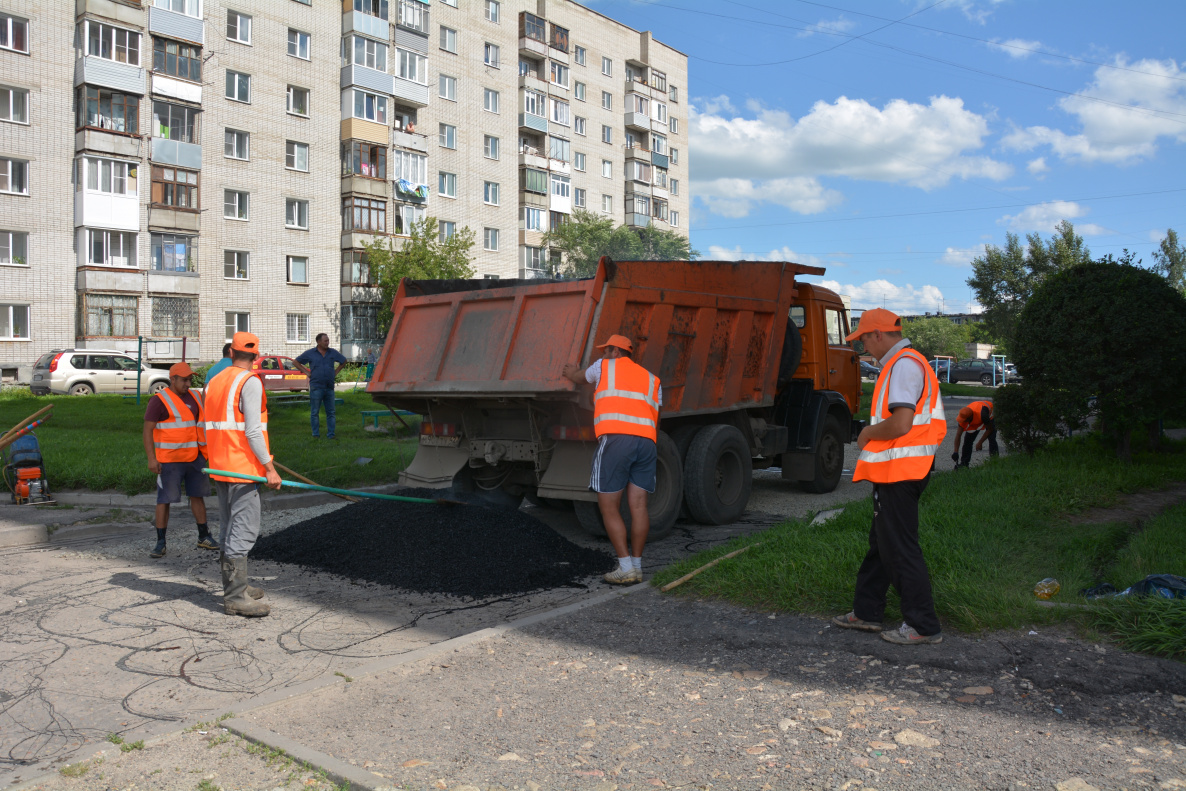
891	140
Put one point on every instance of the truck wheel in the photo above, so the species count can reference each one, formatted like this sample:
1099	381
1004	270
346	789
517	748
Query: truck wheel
662	506
682	437
829	459
719	475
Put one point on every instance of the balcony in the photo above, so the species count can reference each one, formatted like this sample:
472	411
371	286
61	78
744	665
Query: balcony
637	152
639	121
532	32
362	185
660	160
121	12
371	79
413	140
534	83
534	200
410	93
162	218
636	220
367	25
102	278
531	238
361	129
532	48
177	89
109	74
101	210
182	284
637	86
532	158
534	123
528	273
175	152
352	293
107	143
408	191
174	25
411	16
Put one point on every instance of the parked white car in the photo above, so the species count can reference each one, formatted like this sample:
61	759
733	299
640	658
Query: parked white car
88	371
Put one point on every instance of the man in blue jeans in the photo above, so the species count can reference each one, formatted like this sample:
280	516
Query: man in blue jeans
322	364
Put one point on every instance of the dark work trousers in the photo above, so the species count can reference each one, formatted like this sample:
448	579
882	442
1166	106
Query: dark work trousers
895	558
970	440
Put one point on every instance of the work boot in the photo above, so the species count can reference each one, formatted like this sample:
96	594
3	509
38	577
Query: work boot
159	550
252	591
235	600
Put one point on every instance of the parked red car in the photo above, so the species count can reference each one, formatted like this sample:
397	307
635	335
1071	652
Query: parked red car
280	373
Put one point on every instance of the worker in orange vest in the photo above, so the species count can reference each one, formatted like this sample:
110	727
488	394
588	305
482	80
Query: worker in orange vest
626	401
174	442
969	421
897	453
237	439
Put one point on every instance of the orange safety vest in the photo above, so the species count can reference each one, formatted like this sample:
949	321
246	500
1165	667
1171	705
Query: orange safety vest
975	423
182	437
911	456
226	431
626	400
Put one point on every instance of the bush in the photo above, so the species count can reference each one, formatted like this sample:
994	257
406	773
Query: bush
1025	420
200	375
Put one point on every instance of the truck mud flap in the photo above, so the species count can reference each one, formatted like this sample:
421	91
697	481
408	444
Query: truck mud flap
434	467
567	476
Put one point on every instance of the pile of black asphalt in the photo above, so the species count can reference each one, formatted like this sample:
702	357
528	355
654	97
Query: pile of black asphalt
467	550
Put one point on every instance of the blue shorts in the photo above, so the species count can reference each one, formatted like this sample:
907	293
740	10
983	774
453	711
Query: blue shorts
168	483
622	459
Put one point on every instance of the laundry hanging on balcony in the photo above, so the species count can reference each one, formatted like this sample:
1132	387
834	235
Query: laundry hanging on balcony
412	190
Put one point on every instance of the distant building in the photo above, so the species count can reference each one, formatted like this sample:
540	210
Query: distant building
954	318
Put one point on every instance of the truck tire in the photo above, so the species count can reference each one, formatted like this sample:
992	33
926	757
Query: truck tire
719	475
682	437
829	459
662	506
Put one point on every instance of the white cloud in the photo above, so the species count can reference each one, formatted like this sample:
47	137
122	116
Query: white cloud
718	253
883	293
833	26
923	145
960	256
1156	236
716	105
1043	217
1037	166
1017	48
1111	133
976	10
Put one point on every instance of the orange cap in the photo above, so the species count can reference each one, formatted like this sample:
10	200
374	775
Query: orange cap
621	341
181	369
245	342
876	319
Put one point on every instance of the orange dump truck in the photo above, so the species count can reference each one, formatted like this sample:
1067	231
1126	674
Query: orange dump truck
754	369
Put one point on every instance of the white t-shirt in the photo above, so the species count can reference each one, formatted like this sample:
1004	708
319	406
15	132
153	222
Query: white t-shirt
907	378
593	376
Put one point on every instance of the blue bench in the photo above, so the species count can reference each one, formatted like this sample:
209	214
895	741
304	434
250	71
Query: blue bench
375	414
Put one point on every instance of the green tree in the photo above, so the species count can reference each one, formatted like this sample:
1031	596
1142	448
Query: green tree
587	236
1171	261
422	256
937	335
1004	278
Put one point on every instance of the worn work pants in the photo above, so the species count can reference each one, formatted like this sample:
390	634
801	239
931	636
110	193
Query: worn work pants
238	512
970	440
318	396
895	558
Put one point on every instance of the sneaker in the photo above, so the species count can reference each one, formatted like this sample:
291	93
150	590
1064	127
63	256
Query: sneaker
622	577
851	621
158	551
208	542
905	635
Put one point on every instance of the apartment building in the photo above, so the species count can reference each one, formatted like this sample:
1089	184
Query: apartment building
182	169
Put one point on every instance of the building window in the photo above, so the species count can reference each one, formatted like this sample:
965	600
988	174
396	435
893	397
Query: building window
607	135
607	100
674	156
607	67
638	171
372	7
360	323
108	176
298	44
298	327
110	43
659	209
409	167
675	186
111	111
238	86
14	33
175	188
578	56
413	15
661	177
675	215
490	239
533	258
452	3
490	147
364	159
14	176
237	322
579	91
607	169
238	27
535	103
235	264
490	193
188	7
370	106
492	11
659	144
578	198
447	136
489	100
108	316
296	214
532	27
296	156
673	125
364	214
578	161
561	186
446	230
236	144
174	317
298	269
14	246
559	38
578	125
558	74
660	112
406	216
298	101
636	104
183	61
561	113
535	181
447	184
413	67
490	55
110	248
365	52
14	322
235	204
673	94
173	253
533	219
356	269
175	122
447	87
607	204
449	39
559	149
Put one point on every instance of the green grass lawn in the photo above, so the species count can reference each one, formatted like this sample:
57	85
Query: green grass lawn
95	442
989	534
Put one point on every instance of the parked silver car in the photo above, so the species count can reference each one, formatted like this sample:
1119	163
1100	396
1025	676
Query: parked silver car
87	371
